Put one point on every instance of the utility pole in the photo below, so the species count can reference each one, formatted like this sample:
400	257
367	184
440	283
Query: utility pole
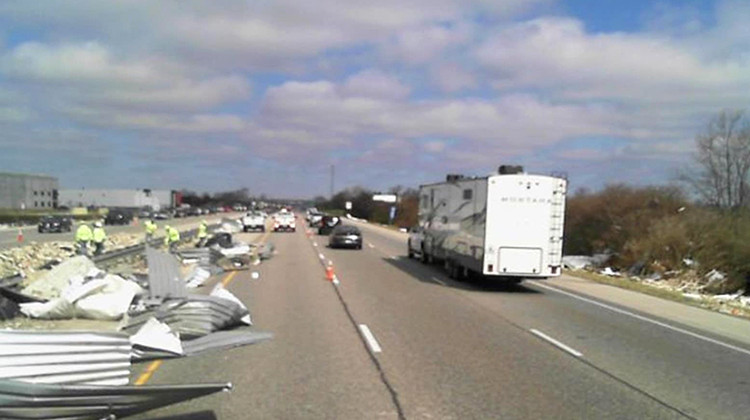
332	172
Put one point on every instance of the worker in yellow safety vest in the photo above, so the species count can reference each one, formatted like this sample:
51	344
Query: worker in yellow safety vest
99	237
150	229
83	238
202	234
171	238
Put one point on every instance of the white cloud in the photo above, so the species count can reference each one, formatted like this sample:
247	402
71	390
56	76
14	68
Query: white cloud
434	146
451	77
512	124
557	54
423	44
10	114
69	63
374	84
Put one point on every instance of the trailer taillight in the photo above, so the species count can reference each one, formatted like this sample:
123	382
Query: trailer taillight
490	267
554	270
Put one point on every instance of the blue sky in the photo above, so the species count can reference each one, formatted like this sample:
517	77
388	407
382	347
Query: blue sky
216	95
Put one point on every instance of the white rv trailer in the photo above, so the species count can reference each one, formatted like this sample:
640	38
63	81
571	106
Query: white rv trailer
507	226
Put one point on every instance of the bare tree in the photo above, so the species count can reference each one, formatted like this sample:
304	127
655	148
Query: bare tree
723	160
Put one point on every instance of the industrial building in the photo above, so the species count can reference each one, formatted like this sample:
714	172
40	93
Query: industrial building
26	191
135	199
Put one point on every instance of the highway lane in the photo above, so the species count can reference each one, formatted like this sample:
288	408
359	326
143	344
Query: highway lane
697	377
442	355
315	367
8	237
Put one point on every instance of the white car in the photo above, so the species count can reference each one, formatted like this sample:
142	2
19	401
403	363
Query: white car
284	221
254	221
414	243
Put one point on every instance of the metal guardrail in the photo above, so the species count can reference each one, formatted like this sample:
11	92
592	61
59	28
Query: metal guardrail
155	242
127	251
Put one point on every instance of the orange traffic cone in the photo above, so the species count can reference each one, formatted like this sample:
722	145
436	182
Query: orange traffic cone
19	238
329	272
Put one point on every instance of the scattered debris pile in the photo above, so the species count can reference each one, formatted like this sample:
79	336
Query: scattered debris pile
27	258
227	254
712	290
230	226
192	316
85	374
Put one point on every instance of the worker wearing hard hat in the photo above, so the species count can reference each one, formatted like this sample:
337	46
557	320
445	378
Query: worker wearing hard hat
99	237
171	238
83	238
150	229
202	234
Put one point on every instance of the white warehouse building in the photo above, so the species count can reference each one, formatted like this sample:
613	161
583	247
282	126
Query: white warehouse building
155	199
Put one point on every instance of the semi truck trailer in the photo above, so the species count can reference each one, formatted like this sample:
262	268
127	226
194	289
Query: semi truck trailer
507	226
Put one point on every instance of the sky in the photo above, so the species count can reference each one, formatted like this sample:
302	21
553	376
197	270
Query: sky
219	95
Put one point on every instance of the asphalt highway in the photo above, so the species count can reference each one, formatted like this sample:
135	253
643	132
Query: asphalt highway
398	339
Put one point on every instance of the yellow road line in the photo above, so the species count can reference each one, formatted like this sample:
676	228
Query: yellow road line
145	376
228	278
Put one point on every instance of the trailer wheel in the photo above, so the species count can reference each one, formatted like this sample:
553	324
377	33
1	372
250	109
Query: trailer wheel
423	257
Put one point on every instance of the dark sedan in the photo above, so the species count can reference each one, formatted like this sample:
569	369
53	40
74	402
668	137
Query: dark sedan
55	224
345	237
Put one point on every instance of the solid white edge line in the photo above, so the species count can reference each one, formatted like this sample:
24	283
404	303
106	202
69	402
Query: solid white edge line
371	341
437	280
556	343
646	319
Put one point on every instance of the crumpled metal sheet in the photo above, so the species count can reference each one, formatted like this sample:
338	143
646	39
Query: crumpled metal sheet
163	275
191	317
224	340
218	340
22	401
65	357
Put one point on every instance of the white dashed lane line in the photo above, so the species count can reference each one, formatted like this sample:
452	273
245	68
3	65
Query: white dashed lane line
370	339
556	343
646	319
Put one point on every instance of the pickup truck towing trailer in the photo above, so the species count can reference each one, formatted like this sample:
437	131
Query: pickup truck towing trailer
507	226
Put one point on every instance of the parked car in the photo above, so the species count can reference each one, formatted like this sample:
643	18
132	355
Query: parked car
55	224
414	243
160	215
345	237
118	217
327	223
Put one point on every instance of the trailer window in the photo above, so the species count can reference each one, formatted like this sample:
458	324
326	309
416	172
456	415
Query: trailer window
468	194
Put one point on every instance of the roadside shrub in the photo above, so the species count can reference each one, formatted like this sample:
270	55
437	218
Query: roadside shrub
605	221
666	243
